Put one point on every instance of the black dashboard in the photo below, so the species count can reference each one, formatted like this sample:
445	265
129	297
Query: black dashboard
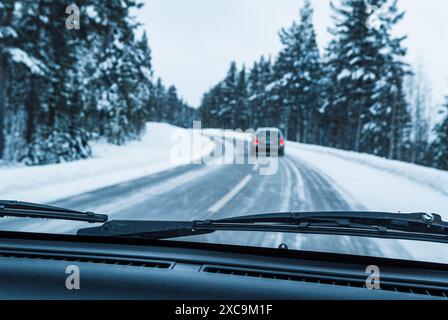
35	266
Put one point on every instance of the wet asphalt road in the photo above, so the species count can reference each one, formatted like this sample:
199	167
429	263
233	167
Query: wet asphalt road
216	191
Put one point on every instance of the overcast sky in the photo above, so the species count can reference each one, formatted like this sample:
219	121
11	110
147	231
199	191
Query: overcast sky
193	41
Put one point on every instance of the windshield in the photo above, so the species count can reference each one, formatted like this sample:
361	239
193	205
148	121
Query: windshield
194	110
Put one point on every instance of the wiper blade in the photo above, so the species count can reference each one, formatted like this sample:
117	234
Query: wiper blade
382	221
19	209
415	226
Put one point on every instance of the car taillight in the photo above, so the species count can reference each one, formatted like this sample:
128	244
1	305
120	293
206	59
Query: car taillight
282	141
256	142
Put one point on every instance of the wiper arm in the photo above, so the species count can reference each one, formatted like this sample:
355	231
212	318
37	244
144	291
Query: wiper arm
415	226
19	209
147	229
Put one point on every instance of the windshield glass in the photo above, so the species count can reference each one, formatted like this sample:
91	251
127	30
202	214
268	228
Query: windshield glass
184	110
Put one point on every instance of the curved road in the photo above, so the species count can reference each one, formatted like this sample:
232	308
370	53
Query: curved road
216	191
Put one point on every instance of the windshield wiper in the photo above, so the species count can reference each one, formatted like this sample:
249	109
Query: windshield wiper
19	209
414	226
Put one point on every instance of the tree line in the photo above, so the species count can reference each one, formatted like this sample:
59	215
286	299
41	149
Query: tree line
61	87
358	94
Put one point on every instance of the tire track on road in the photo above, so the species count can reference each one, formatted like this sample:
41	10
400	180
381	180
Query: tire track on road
325	196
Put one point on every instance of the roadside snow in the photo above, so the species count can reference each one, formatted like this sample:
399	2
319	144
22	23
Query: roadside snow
34	65
383	185
110	165
377	183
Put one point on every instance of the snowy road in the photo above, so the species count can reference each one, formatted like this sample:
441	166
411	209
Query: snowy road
216	191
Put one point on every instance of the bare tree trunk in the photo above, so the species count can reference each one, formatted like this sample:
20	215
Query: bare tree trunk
393	135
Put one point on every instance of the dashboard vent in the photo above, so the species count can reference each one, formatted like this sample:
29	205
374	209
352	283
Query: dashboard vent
423	289
133	262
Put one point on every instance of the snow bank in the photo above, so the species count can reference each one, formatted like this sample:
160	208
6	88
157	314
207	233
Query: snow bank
383	185
433	178
378	183
110	165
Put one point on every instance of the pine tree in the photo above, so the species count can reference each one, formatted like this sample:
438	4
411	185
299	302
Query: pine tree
241	113
438	155
60	138
25	68
395	106
299	72
59	88
365	105
228	113
261	76
354	62
254	84
172	102
211	106
146	86
266	109
158	103
7	34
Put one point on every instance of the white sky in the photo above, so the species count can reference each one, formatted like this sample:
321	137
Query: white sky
193	41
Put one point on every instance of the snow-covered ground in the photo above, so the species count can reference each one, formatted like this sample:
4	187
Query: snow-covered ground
110	165
377	183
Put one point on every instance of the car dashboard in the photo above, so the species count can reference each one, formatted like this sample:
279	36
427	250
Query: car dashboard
37	267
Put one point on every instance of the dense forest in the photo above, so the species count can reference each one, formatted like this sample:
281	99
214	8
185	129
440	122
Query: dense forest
65	82
358	95
72	74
